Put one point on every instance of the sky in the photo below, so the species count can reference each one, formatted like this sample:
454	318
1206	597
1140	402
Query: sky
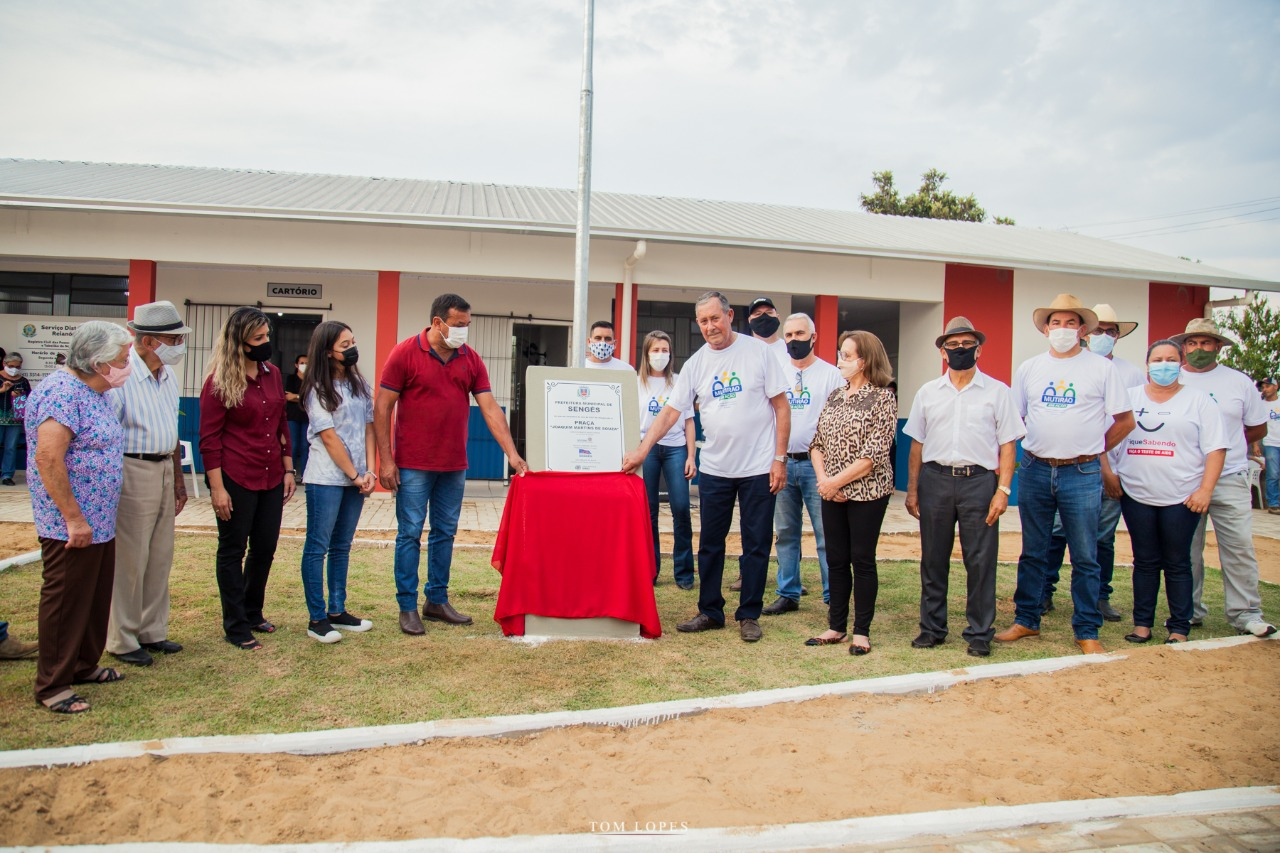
1153	122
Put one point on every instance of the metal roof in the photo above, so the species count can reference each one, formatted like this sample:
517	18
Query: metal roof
541	210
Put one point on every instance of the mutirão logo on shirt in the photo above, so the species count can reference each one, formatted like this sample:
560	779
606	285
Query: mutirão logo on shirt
726	386
656	403
1059	395
799	399
1274	414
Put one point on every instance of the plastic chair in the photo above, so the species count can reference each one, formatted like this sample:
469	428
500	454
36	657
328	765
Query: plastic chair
1255	485
189	460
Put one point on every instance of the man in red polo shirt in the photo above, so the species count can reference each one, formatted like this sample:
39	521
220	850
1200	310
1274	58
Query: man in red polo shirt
426	382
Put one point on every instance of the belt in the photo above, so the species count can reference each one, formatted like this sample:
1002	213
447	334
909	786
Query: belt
800	457
152	457
959	470
1058	463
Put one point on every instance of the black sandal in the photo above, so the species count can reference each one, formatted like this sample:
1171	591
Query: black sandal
249	645
825	641
64	706
102	675
263	627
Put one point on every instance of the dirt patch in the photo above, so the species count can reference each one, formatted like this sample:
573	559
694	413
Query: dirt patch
16	538
1103	730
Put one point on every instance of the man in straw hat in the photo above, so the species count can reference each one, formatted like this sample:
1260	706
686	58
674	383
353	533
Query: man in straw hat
153	491
1102	340
1231	508
1075	408
963	426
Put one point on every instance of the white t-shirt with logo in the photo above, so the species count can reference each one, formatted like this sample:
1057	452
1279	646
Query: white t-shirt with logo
1241	406
808	391
1068	404
611	364
1130	374
733	388
1162	460
654	393
1273	423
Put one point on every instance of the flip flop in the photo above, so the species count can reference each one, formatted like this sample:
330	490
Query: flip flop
264	627
250	645
102	675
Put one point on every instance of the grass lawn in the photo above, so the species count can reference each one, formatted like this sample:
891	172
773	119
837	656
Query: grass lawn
385	677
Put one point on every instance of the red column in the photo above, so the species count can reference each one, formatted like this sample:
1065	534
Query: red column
1171	306
142	284
387	333
985	296
826	316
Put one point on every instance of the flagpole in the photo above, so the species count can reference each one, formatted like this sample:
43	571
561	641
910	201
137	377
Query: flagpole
581	265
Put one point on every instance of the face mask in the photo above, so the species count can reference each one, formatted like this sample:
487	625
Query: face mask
799	350
116	376
601	350
456	336
1200	359
12	371
259	353
171	354
349	356
850	368
1063	340
301	368
962	359
764	325
1101	344
659	360
1164	372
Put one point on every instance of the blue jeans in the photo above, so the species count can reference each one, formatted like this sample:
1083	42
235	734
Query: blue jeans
442	490
1108	518
1075	493
799	494
717	495
301	447
333	512
1161	543
9	464
4	631
1272	489
669	463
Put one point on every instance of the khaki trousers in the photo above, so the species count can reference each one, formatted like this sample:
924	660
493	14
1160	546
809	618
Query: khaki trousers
144	556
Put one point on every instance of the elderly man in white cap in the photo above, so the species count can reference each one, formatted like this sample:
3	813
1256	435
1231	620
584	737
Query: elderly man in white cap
153	492
1075	409
1102	341
1230	508
963	429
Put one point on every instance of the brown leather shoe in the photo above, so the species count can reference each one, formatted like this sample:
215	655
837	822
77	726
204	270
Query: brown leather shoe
1016	632
1090	647
736	586
410	623
15	649
444	613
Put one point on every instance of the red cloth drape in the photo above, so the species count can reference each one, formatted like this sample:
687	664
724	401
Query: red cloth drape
576	546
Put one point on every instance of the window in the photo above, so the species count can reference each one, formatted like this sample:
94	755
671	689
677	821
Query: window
64	294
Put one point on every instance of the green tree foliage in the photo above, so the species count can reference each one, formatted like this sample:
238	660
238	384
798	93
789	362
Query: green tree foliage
1256	329
928	202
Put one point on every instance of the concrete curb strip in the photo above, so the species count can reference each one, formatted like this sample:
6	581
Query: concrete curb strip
20	560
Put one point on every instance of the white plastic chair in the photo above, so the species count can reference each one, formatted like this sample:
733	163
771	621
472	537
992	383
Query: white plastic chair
188	460
1255	485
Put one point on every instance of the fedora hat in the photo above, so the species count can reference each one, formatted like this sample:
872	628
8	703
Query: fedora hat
1065	302
959	326
158	318
1107	314
1200	327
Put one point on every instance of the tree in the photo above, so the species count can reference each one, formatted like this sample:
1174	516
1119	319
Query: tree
928	202
1256	330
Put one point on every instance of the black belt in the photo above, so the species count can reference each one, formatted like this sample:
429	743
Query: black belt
959	470
800	457
152	457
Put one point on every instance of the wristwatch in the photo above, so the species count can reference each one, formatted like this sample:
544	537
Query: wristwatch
780	459
1008	492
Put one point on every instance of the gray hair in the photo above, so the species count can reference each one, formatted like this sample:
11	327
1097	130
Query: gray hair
13	358
709	296
800	315
95	342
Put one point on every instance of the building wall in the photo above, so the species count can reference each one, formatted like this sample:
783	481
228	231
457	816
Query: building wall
1032	290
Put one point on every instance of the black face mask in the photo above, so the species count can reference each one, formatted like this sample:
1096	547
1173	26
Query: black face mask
259	353
764	325
962	359
349	356
799	350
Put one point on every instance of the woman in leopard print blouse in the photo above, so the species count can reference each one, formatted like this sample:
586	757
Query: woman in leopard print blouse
850	454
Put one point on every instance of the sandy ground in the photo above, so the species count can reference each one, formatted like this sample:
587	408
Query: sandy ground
17	538
1159	722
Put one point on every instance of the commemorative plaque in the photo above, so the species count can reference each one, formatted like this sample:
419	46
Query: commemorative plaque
580	420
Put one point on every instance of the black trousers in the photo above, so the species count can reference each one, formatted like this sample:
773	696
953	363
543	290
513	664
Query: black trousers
242	582
852	529
716	496
945	502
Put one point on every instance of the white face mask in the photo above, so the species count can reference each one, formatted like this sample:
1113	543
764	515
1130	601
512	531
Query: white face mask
12	371
659	360
1101	344
302	368
171	354
1063	339
456	337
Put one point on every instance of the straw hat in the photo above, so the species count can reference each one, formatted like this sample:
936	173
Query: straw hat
959	326
1065	302
158	318
1200	327
1107	314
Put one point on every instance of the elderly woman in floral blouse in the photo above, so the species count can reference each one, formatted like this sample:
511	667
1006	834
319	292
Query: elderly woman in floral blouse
850	455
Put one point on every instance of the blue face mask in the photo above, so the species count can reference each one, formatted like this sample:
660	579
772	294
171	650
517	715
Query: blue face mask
1164	372
1101	344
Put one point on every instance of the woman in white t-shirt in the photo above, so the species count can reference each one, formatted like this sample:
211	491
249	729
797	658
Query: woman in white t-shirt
672	458
1167	469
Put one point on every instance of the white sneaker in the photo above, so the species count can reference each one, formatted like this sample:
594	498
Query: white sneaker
1260	629
344	621
323	632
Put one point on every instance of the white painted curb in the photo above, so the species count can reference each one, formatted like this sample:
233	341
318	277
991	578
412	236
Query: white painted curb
20	560
807	836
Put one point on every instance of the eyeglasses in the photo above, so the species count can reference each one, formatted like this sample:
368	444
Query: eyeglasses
1113	333
952	346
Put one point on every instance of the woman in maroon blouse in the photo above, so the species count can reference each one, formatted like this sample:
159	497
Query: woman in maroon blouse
244	441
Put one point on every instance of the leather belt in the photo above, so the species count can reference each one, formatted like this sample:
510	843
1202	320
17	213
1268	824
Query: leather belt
799	457
1058	463
958	470
151	457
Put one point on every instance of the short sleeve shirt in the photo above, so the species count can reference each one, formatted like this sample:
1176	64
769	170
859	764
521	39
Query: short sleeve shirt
611	364
434	404
1273	423
95	456
654	393
1068	404
964	426
349	422
1162	460
1241	406
807	394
